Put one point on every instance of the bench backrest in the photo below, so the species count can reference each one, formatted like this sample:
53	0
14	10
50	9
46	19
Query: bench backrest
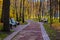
12	21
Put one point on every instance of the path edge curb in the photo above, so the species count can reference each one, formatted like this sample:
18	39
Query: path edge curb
14	33
43	31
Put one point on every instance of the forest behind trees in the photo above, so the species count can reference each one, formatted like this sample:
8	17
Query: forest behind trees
22	10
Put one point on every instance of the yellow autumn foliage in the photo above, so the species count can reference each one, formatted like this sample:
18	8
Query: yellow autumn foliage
56	26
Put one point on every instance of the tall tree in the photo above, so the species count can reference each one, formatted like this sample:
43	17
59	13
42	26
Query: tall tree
59	9
20	9
39	11
51	12
1	14
23	10
56	7
5	13
42	9
16	10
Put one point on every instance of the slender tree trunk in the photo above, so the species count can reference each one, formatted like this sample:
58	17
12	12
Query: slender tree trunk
16	10
23	11
39	16
20	9
13	12
51	12
2	18
28	13
5	12
33	10
59	10
42	10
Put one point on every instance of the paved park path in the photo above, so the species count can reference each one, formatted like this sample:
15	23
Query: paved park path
34	31
31	32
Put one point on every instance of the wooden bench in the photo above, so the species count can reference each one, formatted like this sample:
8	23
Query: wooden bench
12	22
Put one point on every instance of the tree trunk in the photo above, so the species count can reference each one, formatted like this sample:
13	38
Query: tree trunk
23	11
5	12
39	16
16	11
51	12
20	9
2	18
59	10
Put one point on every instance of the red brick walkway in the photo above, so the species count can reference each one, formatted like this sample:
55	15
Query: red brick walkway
31	32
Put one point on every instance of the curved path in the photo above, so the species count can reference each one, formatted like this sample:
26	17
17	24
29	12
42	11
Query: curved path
31	32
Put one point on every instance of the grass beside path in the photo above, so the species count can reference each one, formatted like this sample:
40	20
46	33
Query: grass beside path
51	32
3	35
